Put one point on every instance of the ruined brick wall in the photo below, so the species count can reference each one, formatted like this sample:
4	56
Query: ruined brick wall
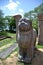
40	29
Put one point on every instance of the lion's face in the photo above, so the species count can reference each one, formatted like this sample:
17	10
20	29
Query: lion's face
24	25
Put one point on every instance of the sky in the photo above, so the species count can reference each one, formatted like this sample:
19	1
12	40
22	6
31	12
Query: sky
13	7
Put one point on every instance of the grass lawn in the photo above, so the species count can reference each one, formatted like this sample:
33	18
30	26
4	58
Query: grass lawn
4	33
8	40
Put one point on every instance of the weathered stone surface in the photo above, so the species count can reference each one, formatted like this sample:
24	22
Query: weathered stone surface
17	17
40	29
8	51
26	38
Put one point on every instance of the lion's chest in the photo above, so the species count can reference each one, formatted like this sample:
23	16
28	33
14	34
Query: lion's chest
24	39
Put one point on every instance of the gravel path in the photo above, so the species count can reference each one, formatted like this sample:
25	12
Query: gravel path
7	52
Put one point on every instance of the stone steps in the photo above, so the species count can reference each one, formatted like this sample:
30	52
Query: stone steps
8	51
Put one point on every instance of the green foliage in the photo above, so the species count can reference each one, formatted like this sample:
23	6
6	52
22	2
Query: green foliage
8	40
1	20
29	15
39	9
12	24
8	18
32	15
3	33
35	24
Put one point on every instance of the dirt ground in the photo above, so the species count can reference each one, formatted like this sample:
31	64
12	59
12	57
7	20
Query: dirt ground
12	60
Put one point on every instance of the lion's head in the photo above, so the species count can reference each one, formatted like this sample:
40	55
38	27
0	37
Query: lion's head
24	25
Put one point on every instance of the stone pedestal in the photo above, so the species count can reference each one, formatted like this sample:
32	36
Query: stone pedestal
40	29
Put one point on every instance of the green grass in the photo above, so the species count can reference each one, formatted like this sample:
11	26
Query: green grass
21	63
4	33
12	35
39	46
8	40
3	50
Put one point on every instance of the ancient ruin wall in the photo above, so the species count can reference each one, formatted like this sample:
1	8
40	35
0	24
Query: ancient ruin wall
40	29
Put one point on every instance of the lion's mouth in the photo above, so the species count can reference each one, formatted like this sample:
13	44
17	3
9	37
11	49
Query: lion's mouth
24	29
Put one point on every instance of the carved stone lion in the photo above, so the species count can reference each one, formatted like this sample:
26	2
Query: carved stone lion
26	37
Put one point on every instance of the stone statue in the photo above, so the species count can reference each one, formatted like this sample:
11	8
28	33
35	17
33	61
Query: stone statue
26	38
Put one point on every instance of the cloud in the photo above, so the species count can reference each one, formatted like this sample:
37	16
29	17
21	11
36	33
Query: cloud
12	5
17	2
21	10
18	13
10	0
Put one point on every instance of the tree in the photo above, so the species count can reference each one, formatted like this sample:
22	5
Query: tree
12	24
7	21
32	15
1	20
39	9
29	15
35	24
8	18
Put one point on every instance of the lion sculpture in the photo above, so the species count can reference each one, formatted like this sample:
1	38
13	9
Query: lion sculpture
26	38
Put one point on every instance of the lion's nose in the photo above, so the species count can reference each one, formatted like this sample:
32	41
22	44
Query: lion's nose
22	28
22	23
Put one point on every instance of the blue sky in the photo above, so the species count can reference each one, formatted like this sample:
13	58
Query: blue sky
12	7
